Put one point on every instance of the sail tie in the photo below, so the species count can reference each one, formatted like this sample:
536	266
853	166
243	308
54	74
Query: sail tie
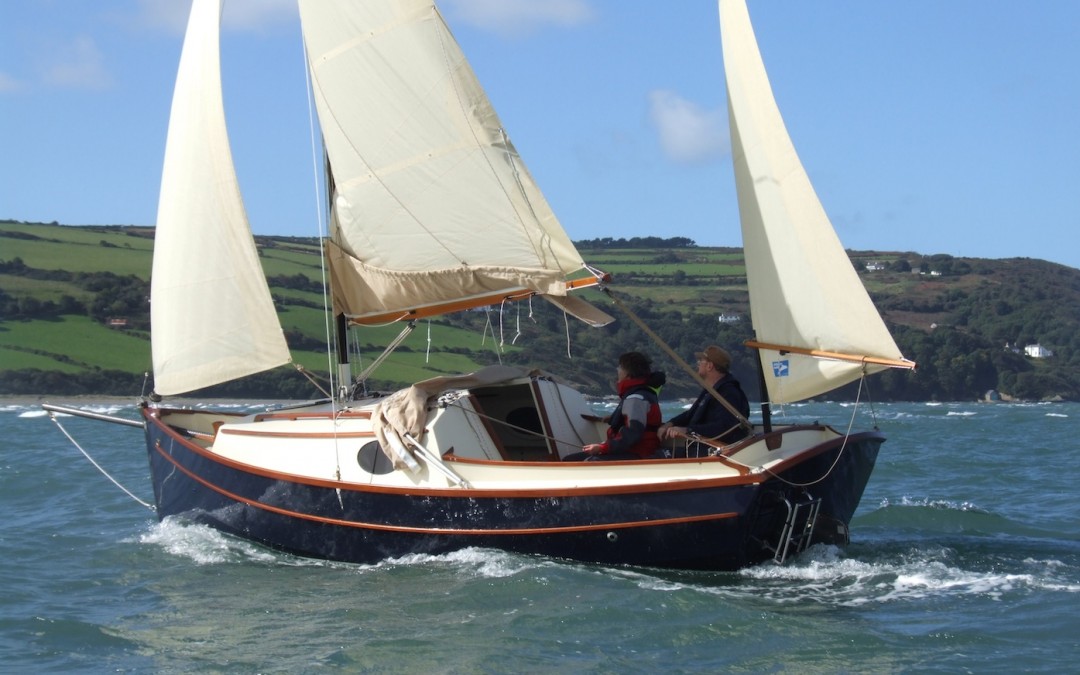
517	327
566	324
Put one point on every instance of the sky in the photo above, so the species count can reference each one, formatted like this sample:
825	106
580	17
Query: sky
927	126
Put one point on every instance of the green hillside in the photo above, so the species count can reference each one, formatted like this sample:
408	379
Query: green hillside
74	318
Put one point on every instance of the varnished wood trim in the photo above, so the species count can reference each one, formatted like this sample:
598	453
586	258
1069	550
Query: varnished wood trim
716	459
827	446
464	304
293	416
835	356
292	434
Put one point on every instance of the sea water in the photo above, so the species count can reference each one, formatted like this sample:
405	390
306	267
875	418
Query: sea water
965	558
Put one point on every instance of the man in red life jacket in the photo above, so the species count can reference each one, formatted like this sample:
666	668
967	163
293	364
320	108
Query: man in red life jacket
635	421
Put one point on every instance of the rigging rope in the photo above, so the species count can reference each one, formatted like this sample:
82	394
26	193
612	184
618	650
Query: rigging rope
312	379
566	323
843	446
105	473
488	326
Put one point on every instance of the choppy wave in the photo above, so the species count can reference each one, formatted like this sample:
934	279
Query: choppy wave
824	575
203	545
829	576
887	572
27	414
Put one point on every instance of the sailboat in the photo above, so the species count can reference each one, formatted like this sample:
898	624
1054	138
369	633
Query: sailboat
432	211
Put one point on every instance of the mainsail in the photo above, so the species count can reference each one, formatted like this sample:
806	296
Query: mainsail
211	313
432	207
816	327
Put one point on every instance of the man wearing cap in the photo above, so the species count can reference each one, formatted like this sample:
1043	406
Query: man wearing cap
707	417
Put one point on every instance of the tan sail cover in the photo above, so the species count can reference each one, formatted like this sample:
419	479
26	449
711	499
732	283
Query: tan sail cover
804	292
211	314
432	203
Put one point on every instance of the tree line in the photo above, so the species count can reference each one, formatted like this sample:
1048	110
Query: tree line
636	242
112	295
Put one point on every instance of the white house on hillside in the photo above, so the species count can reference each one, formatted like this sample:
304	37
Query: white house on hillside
1037	351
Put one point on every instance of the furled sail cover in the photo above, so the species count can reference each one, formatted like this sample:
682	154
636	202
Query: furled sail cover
432	203
211	313
804	292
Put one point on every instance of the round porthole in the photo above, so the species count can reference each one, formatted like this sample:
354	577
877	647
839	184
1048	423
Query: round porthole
372	459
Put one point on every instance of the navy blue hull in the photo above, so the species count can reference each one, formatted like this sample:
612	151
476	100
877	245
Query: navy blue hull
837	476
713	526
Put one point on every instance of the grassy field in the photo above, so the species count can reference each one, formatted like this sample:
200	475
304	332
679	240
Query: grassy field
78	249
74	343
694	262
43	289
72	340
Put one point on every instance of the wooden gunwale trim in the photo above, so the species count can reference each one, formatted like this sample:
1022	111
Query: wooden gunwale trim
591	466
190	411
294	416
442	530
820	448
469	493
294	434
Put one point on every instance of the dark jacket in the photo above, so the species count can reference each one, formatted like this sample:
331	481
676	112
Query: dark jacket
708	418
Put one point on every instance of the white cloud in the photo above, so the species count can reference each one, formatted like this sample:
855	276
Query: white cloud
172	15
688	133
169	15
515	17
258	14
8	83
78	64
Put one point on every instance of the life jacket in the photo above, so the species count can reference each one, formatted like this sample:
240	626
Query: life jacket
646	388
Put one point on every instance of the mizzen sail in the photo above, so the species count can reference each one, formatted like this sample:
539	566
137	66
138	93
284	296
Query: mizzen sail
211	313
816	326
432	206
